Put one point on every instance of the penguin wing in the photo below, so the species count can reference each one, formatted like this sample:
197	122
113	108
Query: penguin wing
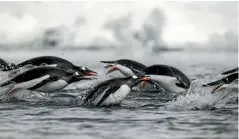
182	85
95	90
107	93
43	82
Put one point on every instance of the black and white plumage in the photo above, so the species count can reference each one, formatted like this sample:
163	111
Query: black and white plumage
54	62
231	76
126	67
169	78
43	79
111	92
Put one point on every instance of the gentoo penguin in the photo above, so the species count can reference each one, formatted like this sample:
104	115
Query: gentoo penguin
221	84
125	66
111	92
55	62
43	79
169	78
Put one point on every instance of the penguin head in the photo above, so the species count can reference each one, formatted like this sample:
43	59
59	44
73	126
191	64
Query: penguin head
86	71
171	84
132	81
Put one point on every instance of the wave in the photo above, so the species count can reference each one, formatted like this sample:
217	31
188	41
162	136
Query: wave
198	97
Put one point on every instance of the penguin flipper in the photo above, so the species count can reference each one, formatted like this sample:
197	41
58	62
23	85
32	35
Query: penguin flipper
107	93
43	82
181	85
94	90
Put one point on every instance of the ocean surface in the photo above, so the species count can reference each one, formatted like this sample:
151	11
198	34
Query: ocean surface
142	115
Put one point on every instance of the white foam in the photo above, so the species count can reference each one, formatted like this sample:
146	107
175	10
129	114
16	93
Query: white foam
199	97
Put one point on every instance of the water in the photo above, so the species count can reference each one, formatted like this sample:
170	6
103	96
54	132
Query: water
141	115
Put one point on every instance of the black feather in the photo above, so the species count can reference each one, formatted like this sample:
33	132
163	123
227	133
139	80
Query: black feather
43	82
111	89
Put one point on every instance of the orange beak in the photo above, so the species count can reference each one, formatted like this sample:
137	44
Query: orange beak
112	68
91	73
87	77
144	82
218	88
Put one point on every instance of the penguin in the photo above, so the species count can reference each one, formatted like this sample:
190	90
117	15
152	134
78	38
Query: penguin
169	78
43	79
112	91
125	66
222	84
54	62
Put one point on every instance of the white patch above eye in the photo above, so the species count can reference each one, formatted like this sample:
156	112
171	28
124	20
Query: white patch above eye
76	73
83	68
135	77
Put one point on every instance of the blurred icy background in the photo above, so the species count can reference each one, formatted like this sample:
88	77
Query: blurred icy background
109	25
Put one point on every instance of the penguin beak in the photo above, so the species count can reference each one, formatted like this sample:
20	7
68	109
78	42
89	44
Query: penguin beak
86	77
108	66
91	73
144	81
111	65
220	87
112	68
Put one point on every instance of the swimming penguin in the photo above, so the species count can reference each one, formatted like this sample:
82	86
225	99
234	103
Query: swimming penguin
223	83
125	66
54	62
111	92
169	78
43	79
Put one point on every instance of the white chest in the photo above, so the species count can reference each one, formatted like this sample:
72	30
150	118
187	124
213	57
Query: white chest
53	86
118	96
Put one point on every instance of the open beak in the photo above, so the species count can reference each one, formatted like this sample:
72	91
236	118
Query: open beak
91	73
112	68
86	77
109	66
144	81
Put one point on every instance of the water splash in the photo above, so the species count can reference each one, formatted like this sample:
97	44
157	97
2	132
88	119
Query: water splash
199	97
